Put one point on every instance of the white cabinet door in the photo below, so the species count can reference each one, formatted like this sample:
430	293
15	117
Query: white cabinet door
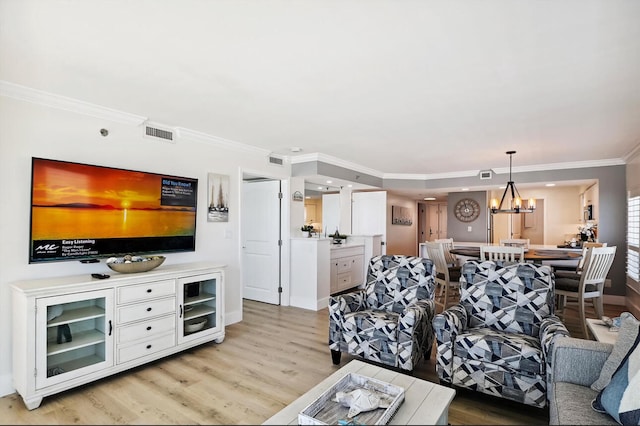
199	308
357	271
74	335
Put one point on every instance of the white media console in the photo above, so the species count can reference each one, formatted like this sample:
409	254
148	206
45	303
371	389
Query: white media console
68	331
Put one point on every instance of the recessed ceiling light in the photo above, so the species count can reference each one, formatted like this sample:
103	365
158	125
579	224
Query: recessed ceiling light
321	187
295	149
550	184
464	189
350	186
329	181
429	198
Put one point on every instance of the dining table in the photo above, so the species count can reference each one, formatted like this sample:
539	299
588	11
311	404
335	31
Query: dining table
535	255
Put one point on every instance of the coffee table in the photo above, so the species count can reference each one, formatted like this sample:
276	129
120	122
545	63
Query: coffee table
425	403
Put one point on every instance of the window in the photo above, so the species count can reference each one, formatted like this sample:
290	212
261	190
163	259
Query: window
633	238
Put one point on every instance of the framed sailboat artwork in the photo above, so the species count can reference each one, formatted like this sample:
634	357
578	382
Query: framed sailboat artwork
218	207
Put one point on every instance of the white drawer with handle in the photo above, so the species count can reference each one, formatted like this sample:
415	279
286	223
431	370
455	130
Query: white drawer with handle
139	311
139	292
144	348
145	329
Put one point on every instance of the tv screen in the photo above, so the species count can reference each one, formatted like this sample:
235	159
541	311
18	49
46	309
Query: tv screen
83	211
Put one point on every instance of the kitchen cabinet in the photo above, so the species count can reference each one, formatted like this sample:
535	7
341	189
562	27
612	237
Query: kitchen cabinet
347	266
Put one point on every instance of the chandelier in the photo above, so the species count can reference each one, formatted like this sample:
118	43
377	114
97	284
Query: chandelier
515	205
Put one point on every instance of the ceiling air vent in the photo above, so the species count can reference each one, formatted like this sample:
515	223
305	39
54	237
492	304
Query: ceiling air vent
486	174
158	133
275	160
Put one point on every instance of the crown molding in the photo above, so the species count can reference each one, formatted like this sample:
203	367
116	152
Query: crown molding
562	166
432	176
47	99
453	175
632	154
221	142
41	97
316	156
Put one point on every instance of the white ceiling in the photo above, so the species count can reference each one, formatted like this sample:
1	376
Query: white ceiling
392	86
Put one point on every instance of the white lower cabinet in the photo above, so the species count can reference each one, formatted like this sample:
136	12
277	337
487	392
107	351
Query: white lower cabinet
347	265
68	331
74	336
200	312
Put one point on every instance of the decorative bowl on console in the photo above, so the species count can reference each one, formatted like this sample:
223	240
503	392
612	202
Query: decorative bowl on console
131	264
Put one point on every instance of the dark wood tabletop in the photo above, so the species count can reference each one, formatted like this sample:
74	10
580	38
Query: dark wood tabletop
534	255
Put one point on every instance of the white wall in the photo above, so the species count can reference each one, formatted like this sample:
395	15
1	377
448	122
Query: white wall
29	129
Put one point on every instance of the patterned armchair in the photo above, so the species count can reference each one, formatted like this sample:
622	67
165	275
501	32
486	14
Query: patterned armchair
389	320
498	339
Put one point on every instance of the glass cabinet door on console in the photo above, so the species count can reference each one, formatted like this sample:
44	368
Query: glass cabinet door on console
199	310
73	335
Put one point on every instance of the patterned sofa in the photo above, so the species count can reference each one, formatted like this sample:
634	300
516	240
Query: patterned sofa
498	339
389	320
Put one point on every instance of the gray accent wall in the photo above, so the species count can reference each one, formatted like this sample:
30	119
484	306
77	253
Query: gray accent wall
459	230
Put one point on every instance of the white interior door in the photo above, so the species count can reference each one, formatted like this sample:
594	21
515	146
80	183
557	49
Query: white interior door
433	222
260	241
369	215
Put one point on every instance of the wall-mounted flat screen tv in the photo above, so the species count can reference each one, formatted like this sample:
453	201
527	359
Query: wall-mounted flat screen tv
82	211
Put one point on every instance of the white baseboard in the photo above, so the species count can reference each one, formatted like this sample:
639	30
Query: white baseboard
309	303
232	317
6	386
610	299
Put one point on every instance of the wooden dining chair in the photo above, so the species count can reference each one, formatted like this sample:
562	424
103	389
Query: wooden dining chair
562	271
447	243
447	277
588	285
502	253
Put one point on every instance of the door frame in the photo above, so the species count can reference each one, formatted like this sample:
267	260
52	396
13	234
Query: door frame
285	234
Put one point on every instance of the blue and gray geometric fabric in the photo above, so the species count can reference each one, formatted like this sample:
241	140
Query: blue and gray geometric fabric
621	397
496	340
389	321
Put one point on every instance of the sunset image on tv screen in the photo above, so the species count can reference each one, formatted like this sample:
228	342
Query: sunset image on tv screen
72	201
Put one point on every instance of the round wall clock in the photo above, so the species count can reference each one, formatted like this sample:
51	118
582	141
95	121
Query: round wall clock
467	210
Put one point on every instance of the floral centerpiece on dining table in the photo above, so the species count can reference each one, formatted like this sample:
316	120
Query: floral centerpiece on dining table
588	231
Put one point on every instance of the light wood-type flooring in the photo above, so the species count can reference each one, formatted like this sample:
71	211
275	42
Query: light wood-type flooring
266	361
